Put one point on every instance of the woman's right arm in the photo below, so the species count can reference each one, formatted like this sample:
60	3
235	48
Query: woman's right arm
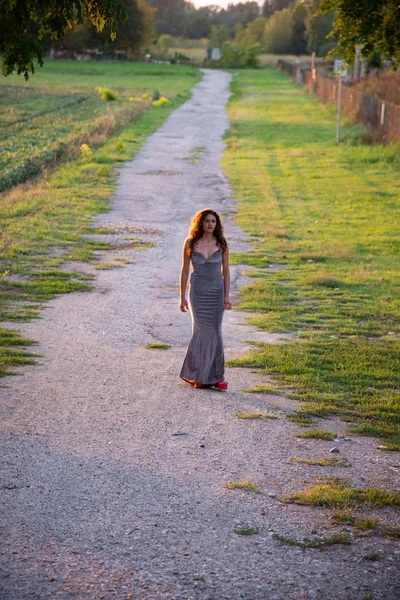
184	277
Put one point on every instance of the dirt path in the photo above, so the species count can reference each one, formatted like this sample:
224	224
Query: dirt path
113	469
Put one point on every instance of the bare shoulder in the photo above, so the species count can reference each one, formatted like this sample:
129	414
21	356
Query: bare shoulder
186	246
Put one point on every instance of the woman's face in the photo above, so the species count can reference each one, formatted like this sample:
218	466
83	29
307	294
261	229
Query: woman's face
209	223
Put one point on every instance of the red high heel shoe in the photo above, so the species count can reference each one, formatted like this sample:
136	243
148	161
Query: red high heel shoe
222	385
197	384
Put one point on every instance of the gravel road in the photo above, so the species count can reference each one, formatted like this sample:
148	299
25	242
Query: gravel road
113	469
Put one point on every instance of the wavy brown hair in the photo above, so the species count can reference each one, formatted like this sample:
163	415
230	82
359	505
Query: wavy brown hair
196	230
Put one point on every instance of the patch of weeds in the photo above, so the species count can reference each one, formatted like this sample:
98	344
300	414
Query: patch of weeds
41	286
373	556
138	244
107	265
332	461
391	531
265	389
390	446
10	357
362	524
336	493
11	337
106	94
242	485
256	415
343	518
124	260
195	154
340	538
366	524
300	419
317	434
246	531
158	345
101	230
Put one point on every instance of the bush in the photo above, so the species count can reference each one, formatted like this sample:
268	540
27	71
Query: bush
161	101
179	57
107	94
166	41
237	56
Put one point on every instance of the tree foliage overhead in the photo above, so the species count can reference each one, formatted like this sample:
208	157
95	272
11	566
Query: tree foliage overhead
135	32
373	25
24	22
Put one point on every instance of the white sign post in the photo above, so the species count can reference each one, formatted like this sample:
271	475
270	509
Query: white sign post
341	72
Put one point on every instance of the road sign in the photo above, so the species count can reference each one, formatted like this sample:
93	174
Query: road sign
338	68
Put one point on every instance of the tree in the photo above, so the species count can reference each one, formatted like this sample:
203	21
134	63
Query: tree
279	32
271	6
373	25
219	35
299	42
181	18
148	32
170	15
254	33
129	32
24	22
136	32
243	12
197	23
166	41
319	32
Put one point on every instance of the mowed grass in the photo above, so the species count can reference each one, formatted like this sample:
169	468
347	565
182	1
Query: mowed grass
43	223
326	225
59	108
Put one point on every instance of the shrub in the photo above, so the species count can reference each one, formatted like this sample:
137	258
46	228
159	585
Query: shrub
237	56
166	41
160	101
85	150
106	94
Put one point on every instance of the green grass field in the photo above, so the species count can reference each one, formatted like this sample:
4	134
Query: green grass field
58	109
326	218
43	222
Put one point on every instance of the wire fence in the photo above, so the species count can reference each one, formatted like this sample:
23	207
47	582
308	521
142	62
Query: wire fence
381	117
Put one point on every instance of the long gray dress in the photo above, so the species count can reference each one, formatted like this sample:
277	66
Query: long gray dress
204	361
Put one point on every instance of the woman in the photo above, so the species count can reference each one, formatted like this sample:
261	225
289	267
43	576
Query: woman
207	250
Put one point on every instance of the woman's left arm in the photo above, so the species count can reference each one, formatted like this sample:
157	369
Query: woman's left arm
227	279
